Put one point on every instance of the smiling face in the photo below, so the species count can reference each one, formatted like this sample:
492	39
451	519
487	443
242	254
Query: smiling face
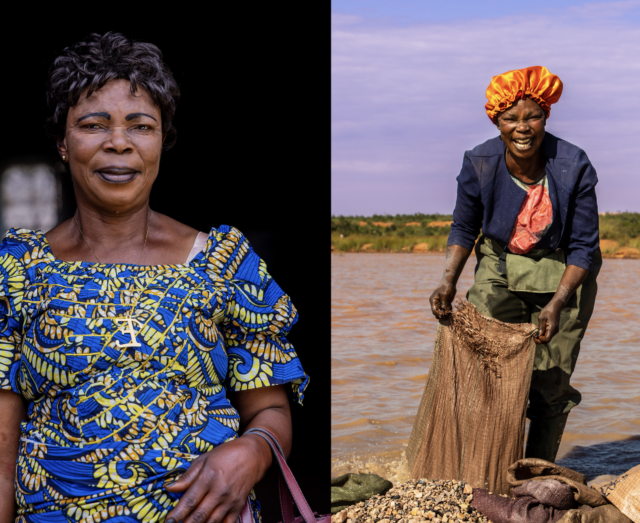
113	142
522	128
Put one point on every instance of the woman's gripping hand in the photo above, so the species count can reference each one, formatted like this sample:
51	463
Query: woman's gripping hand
443	296
217	483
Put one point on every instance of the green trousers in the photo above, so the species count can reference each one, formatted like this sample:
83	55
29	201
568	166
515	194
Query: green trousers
551	393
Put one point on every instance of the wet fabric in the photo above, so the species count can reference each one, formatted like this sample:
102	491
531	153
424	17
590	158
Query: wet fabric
534	82
471	419
551	392
127	368
534	219
488	200
349	489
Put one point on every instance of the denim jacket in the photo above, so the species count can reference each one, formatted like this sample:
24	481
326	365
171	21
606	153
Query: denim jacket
488	199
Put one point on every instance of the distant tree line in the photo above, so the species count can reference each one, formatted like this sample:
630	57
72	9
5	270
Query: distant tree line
398	225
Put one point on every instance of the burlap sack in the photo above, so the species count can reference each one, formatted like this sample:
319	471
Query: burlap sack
538	469
604	514
470	423
624	493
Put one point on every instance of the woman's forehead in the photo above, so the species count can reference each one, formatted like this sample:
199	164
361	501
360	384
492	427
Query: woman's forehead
115	95
523	105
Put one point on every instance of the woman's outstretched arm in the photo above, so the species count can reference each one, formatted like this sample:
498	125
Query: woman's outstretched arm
217	484
12	412
446	291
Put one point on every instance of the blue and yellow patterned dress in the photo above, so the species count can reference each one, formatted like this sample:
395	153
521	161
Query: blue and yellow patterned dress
126	369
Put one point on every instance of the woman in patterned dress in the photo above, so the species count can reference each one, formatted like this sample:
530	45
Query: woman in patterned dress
131	345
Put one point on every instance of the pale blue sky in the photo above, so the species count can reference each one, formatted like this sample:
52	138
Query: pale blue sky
411	11
408	84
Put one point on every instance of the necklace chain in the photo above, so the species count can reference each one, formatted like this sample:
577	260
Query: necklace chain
94	252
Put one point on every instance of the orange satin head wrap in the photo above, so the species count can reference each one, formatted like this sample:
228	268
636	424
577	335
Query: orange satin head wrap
534	82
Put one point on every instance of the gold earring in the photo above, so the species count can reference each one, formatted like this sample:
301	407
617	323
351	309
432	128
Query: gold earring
64	158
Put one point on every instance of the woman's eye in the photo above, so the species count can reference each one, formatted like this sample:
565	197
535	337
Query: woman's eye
143	127
92	126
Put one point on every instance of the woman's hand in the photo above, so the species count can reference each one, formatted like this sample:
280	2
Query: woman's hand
549	317
217	483
442	298
445	293
549	321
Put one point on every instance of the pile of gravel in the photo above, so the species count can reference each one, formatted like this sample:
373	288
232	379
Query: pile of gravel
414	502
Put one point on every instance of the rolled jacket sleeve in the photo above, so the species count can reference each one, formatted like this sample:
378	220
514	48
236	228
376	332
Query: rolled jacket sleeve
467	215
582	227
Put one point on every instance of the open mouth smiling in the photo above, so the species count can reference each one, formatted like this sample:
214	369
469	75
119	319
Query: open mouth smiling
522	144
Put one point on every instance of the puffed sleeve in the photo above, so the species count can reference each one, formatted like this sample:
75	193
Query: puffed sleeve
12	287
258	317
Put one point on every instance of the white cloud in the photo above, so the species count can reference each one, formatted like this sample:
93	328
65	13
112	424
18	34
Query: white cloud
408	101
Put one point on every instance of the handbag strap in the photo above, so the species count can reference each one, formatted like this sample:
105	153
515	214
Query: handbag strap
290	486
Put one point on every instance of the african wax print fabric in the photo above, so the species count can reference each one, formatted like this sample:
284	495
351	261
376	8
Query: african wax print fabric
126	369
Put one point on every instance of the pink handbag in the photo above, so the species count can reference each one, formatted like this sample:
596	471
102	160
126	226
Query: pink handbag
288	488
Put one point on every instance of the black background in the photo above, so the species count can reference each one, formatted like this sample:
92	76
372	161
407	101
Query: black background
246	156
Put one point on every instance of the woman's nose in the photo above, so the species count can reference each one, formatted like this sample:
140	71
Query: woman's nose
118	142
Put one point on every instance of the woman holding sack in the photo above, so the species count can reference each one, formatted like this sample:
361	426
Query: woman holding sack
533	196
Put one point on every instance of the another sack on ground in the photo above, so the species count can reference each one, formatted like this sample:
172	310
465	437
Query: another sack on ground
470	423
535	502
349	489
624	493
547	493
603	514
539	470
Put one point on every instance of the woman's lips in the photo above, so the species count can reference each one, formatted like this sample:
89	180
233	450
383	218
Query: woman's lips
116	174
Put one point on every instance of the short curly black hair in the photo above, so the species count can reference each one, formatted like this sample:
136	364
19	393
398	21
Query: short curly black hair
90	64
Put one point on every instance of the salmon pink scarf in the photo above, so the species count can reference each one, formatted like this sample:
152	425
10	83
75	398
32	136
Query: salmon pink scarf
534	218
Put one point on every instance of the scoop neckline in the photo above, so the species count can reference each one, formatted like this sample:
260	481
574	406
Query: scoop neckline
91	265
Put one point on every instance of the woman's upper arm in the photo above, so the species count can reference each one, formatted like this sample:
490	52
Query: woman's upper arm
249	403
12	412
267	408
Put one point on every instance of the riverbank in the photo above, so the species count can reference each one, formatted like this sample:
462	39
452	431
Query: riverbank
630	249
406	233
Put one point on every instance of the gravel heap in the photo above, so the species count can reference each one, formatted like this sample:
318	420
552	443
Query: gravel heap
414	502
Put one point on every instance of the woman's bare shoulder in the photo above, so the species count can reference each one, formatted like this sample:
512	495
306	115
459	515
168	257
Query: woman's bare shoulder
173	229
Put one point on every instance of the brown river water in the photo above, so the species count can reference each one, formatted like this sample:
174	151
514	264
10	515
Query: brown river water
382	344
